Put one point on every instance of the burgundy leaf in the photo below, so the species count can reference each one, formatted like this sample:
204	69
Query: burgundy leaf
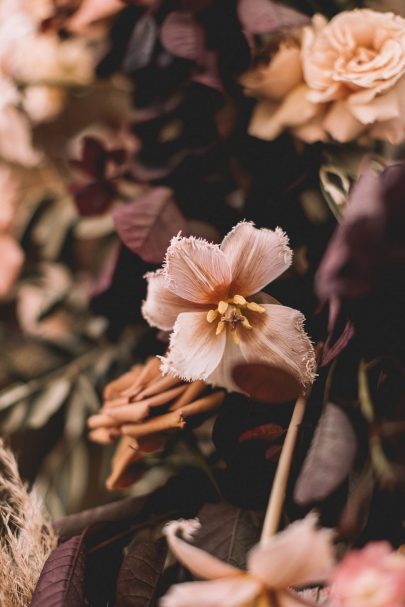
329	459
181	35
264	432
147	225
265	16
266	383
228	532
94	198
140	572
61	583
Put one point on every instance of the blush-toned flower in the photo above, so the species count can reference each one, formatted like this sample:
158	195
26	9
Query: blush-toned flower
357	61
371	577
210	296
299	555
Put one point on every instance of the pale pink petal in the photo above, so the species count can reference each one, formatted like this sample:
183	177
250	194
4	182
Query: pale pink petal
222	374
200	563
230	592
255	256
195	350
299	555
12	259
162	307
16	138
197	270
383	107
341	124
278	337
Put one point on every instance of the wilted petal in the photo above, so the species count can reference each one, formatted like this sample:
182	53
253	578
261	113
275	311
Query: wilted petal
200	563
12	259
255	256
298	555
229	592
279	338
162	307
195	350
197	270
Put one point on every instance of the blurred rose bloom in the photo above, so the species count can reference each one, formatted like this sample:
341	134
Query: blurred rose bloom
371	577
343	79
209	295
299	555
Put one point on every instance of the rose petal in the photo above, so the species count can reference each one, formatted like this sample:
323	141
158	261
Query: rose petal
161	306
278	337
298	555
230	592
195	350
384	107
255	256
341	124
200	563
197	270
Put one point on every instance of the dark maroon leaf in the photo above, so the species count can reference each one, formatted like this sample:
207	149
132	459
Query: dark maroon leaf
265	16
147	225
140	572
228	532
264	432
141	44
266	383
330	457
181	35
94	198
61	583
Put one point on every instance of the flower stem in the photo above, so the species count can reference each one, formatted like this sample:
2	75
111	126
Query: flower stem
278	491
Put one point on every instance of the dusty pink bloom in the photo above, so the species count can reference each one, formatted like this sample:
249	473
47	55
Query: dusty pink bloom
91	11
371	577
299	555
209	295
12	259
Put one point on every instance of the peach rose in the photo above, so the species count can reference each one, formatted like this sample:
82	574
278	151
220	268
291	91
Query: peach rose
357	61
371	577
341	79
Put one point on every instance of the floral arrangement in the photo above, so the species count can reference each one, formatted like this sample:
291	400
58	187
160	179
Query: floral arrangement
202	313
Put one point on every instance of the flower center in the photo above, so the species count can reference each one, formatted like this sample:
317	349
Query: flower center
229	314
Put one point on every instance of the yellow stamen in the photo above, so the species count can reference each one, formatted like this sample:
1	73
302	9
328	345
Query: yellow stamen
222	307
235	337
220	327
239	300
246	323
254	307
212	314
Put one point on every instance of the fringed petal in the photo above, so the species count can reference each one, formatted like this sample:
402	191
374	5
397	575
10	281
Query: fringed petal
299	555
162	307
229	592
256	257
197	270
200	563
195	350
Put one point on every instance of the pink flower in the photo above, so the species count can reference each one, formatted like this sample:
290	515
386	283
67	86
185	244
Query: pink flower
299	555
209	295
371	577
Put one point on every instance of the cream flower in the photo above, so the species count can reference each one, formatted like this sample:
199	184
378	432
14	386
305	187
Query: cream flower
299	555
340	79
210	296
357	61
